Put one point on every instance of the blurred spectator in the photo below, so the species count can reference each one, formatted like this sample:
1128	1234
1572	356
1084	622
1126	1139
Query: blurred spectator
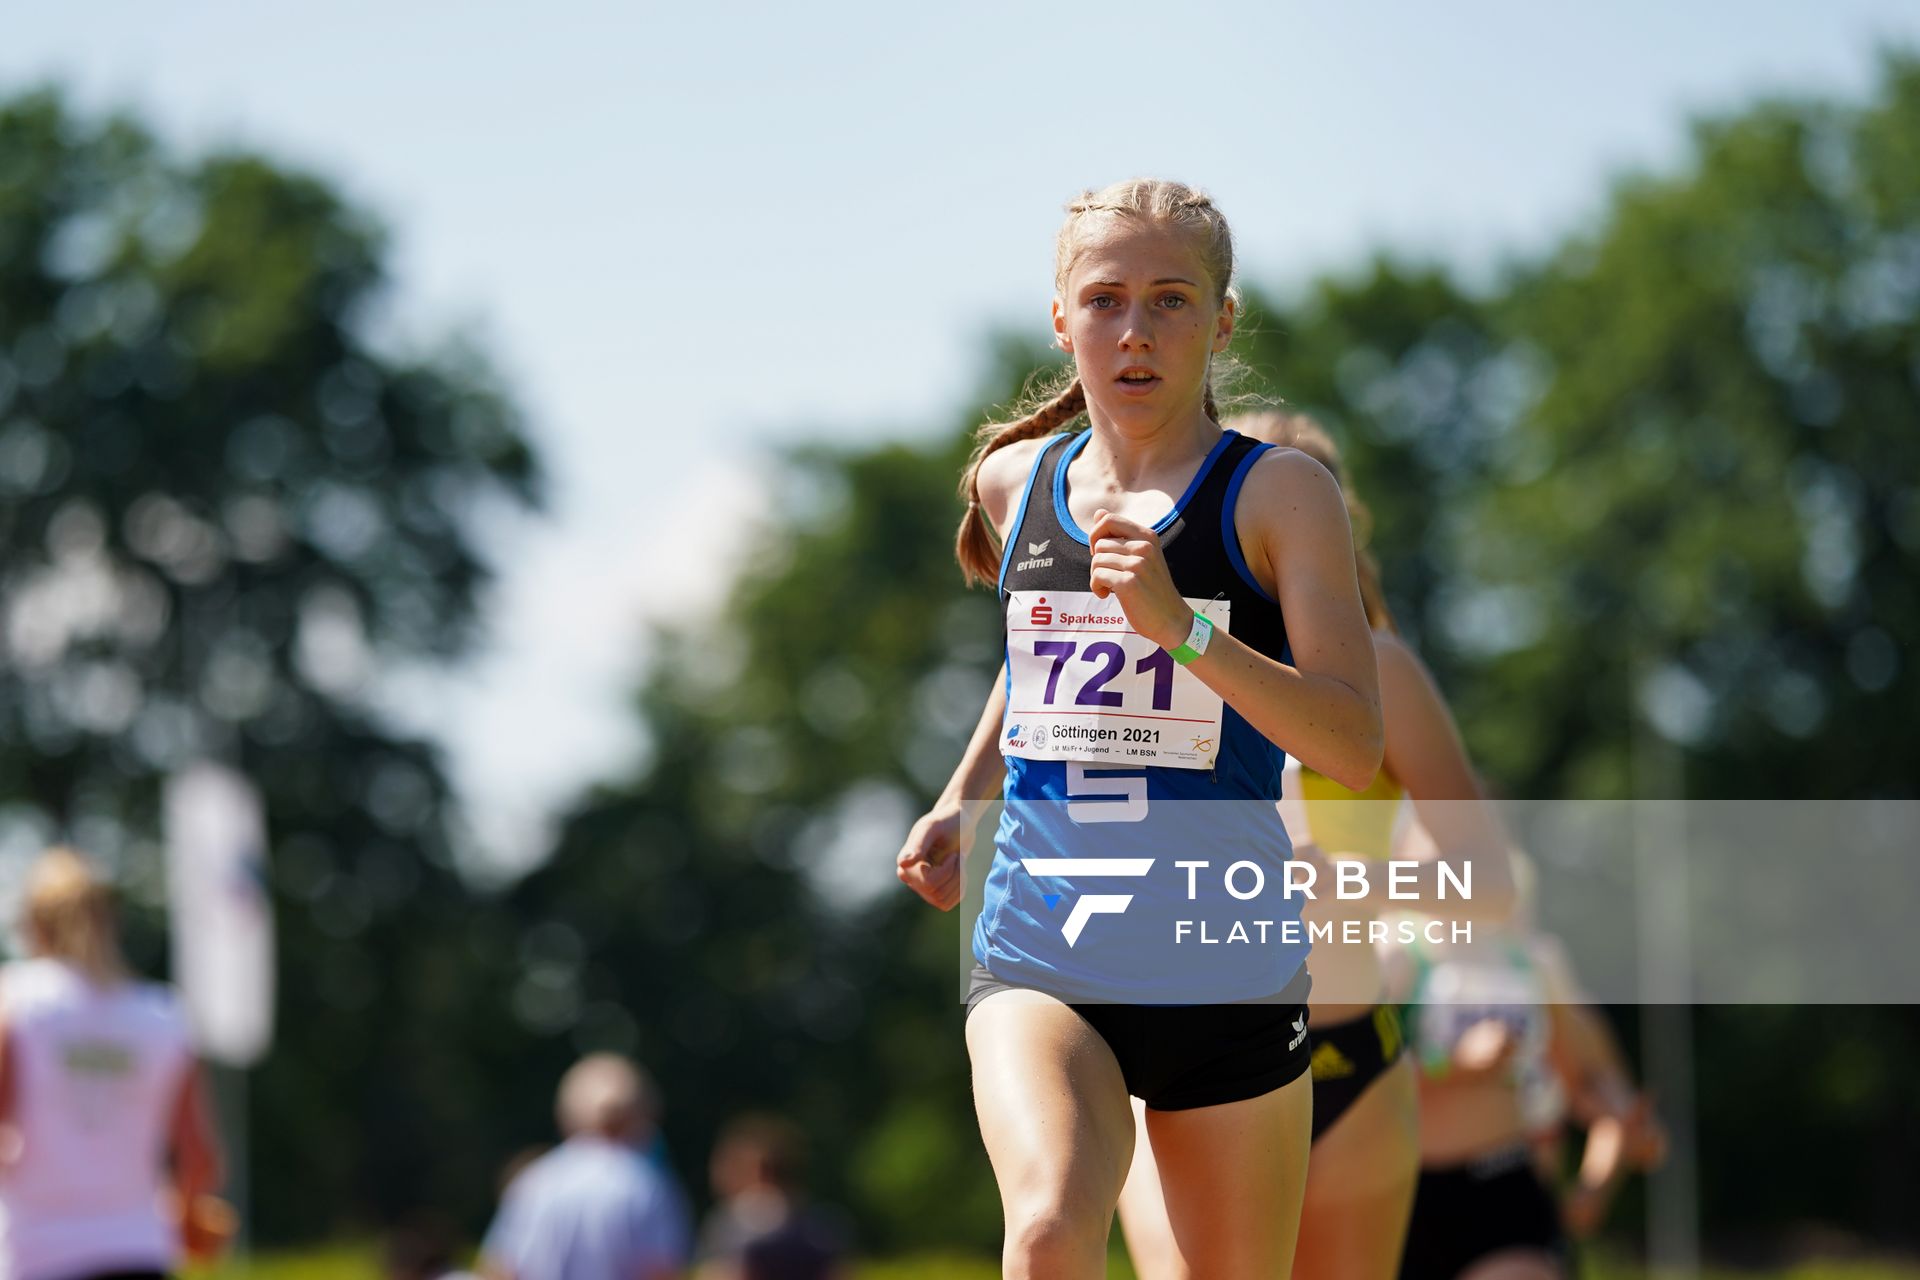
99	1096
518	1163
593	1208
760	1229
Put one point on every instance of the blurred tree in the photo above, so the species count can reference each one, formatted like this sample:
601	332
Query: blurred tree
222	507
1709	523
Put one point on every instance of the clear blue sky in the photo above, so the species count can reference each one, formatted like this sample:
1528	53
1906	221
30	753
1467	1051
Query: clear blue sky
690	231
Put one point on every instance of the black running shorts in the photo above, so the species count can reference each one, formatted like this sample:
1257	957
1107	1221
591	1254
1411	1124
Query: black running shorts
1349	1056
1176	1057
1467	1212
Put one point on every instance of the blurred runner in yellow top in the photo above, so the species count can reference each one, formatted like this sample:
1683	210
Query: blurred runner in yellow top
1365	1156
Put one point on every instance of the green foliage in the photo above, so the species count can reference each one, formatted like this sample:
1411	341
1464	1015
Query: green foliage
220	506
1710	515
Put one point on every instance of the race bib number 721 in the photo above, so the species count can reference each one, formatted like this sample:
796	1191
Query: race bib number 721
1086	686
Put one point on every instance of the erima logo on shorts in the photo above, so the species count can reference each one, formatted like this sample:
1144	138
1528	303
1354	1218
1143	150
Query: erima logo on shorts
1091	904
1034	551
1299	1033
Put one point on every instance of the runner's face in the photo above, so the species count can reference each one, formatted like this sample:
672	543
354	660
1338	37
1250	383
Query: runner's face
1141	318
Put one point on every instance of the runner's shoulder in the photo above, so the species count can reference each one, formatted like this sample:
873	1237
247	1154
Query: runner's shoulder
1287	493
1283	474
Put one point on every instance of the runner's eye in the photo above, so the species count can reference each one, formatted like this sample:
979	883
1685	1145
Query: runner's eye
1102	302
1173	302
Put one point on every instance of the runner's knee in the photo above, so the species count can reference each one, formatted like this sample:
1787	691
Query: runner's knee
1049	1239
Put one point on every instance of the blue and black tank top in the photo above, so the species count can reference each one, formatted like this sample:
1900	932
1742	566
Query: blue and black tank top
1221	815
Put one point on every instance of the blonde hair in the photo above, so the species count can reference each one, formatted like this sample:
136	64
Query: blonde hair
1298	431
70	915
1052	403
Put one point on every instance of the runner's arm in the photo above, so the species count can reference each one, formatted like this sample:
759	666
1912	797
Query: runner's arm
196	1151
928	863
1604	1156
1424	755
196	1166
1323	709
982	768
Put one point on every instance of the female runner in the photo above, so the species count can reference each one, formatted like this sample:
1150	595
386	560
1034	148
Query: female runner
1366	1138
1116	532
1480	1017
100	1101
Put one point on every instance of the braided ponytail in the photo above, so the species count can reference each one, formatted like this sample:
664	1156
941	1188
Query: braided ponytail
974	545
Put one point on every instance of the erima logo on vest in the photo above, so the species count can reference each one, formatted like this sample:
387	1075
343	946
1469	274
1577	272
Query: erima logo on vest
1034	551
